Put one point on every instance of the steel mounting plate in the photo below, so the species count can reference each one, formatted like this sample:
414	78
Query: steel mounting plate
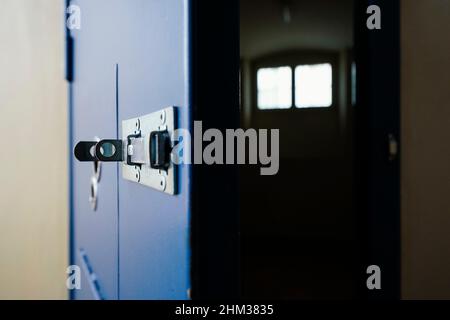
162	180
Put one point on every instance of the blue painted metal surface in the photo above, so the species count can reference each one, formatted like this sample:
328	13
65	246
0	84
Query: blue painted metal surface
137	242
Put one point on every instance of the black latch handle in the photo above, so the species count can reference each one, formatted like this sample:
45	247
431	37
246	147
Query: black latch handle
85	151
105	150
160	149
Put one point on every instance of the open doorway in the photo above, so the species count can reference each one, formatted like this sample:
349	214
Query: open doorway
298	228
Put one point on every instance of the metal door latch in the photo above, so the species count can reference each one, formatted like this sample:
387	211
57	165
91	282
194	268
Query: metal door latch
144	150
393	147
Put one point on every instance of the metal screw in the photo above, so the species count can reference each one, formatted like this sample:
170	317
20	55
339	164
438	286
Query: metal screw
138	124
162	183
162	117
138	175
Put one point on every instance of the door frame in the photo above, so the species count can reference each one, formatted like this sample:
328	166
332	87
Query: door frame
215	101
377	114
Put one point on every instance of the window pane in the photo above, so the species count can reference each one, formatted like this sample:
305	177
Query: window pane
313	86
274	88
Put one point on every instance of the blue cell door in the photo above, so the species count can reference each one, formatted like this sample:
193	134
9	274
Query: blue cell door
128	59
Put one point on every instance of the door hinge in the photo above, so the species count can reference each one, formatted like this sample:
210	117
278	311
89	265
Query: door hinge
144	150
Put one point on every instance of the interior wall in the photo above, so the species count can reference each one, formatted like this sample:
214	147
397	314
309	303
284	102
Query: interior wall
320	25
425	149
33	157
317	24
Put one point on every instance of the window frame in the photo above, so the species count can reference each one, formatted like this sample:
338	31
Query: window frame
293	58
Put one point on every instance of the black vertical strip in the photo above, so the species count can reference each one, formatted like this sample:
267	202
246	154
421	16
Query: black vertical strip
69	46
215	97
377	114
293	85
69	58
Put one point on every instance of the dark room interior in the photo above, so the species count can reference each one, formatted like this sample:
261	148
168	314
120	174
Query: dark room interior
299	239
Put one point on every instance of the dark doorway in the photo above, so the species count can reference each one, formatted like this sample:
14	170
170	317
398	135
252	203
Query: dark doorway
298	227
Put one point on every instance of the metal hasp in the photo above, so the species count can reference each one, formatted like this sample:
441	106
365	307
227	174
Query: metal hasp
145	150
152	166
